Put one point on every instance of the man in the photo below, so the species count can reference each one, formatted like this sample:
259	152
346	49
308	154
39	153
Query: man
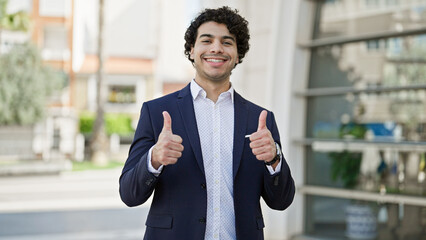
207	153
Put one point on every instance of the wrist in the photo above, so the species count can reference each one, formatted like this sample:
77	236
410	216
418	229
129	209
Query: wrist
277	157
155	164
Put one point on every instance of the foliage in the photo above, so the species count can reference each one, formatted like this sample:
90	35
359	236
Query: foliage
352	130
120	124
25	84
87	165
18	21
2	8
346	165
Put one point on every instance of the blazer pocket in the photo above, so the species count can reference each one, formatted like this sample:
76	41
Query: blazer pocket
260	224
159	221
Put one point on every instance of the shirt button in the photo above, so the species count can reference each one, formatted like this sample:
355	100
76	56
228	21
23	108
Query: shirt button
202	220
203	185
216	235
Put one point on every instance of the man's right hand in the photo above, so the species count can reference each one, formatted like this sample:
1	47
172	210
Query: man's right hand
169	146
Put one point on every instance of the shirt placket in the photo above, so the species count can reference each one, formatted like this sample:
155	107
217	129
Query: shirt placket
217	170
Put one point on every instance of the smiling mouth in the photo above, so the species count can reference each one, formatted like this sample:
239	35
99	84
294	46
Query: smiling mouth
215	58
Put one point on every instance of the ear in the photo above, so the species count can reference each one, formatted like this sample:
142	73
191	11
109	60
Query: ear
237	61
191	53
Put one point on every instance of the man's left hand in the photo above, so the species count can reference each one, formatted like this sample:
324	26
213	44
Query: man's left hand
261	142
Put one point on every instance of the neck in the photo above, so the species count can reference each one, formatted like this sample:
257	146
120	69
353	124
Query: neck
214	88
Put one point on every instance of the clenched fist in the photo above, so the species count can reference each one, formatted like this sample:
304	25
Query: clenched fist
261	142
168	148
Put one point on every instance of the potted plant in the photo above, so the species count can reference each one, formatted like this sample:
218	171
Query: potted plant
361	221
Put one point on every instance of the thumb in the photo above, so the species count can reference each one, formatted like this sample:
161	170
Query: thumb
262	120
167	126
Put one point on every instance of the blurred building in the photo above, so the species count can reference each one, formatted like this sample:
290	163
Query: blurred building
51	30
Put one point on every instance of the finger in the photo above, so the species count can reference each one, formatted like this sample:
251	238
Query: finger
256	144
262	120
263	136
173	154
263	149
176	138
256	151
264	157
167	125
258	135
175	147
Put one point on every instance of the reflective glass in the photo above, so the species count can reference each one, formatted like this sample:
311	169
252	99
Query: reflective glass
369	168
384	62
390	116
339	18
334	218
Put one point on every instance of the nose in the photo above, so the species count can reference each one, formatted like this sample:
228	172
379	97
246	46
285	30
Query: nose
216	47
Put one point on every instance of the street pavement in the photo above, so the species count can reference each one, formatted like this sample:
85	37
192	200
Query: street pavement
72	205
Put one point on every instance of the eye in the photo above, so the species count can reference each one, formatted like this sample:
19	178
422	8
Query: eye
229	43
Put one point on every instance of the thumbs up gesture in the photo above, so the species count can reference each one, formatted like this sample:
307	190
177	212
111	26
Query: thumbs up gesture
261	142
169	146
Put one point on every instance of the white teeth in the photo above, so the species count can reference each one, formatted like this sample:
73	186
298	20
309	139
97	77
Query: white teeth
214	60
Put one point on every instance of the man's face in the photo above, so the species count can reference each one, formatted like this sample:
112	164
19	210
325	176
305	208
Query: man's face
214	52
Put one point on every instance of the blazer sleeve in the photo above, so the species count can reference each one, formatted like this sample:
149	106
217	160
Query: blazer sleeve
278	191
136	182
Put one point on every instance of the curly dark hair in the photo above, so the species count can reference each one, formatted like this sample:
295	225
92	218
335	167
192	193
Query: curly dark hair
235	23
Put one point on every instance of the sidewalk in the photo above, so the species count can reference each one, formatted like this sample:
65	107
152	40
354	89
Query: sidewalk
34	167
96	189
77	205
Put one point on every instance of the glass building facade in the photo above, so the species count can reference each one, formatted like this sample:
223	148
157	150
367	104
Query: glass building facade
365	137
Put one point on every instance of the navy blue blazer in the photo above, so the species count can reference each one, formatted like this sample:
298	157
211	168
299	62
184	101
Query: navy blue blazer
179	206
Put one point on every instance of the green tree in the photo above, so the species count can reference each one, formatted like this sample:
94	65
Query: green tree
18	21
25	84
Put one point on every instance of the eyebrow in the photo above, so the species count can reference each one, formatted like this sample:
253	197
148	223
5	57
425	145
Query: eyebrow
211	36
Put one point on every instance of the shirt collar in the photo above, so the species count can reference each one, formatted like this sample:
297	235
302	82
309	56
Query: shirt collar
197	90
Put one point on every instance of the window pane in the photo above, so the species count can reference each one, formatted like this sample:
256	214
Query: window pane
366	167
333	218
55	8
393	116
356	17
384	62
122	94
55	43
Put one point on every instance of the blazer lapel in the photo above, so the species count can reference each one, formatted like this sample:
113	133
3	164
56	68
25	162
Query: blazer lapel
186	108
240	127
